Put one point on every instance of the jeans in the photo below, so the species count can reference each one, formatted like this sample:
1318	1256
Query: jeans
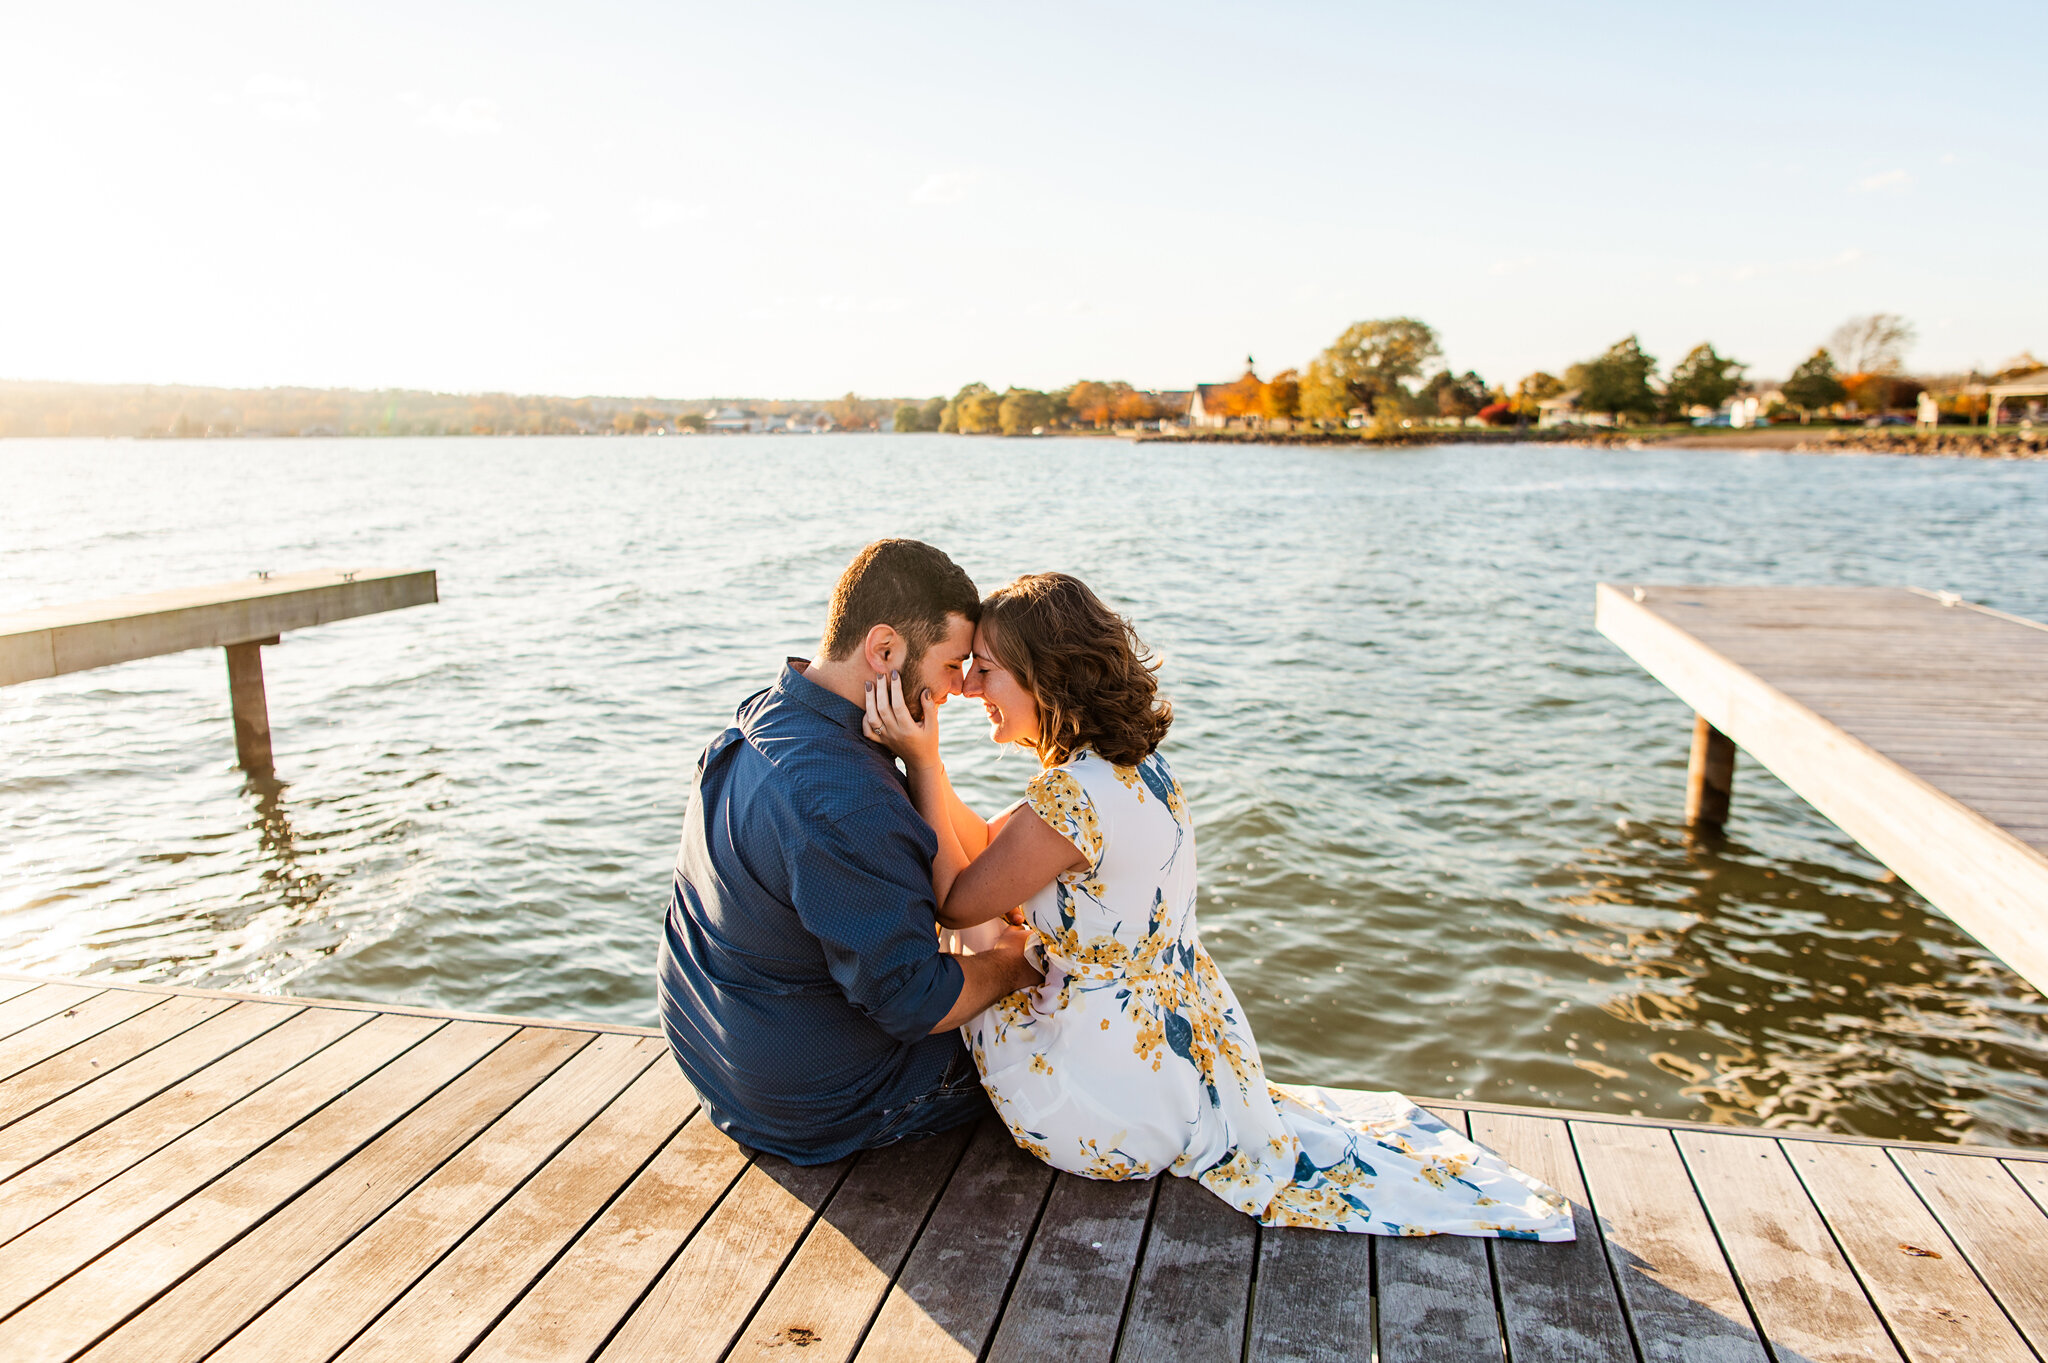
956	1099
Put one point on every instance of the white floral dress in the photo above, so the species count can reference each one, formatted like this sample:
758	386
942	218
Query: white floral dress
1134	1058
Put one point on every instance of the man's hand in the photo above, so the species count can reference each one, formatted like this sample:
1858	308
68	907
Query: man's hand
990	975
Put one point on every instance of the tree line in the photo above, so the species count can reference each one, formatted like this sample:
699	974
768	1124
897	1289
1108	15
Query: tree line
1386	373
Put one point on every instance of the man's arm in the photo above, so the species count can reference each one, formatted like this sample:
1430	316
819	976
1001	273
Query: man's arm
990	975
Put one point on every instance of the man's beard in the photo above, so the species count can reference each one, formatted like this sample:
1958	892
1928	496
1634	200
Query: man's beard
913	699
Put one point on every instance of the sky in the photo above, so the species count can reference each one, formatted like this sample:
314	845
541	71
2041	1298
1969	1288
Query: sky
895	199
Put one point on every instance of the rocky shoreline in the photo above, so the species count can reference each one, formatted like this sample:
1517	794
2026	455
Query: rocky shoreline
1955	443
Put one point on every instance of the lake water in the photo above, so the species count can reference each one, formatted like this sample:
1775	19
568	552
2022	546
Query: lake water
1439	816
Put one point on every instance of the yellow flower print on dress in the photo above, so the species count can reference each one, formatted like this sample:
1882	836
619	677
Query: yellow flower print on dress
1134	1057
1056	796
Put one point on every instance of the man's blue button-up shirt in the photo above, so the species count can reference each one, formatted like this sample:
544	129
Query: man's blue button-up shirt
800	971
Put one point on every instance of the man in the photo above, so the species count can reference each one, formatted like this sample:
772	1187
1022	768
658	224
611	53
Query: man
802	986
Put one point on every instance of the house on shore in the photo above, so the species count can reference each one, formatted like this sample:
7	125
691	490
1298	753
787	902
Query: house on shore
1563	410
1219	406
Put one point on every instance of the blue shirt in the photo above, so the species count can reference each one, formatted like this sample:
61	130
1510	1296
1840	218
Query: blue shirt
800	970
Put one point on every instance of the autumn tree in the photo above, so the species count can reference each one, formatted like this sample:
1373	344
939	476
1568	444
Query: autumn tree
1132	407
1815	385
1023	411
1376	359
954	416
1617	382
1876	344
1280	399
1532	390
1452	395
1703	378
907	419
1325	398
1093	402
853	413
975	409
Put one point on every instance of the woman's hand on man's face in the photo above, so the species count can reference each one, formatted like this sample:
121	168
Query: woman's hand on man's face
890	724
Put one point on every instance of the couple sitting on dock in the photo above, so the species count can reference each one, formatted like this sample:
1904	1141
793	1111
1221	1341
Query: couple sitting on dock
844	963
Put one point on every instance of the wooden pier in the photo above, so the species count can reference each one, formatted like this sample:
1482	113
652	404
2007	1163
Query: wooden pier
1914	721
188	1175
237	617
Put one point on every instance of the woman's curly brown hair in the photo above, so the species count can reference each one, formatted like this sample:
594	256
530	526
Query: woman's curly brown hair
1083	663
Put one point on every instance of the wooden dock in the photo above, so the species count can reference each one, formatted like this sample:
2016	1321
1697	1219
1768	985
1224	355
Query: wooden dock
238	617
1914	721
188	1175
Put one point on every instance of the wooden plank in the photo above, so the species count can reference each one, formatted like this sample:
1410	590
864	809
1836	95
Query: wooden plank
2031	1174
34	1044
1312	1302
1800	1288
354	1241
1436	1294
12	985
1995	1224
579	1301
163	1133
835	1283
102	1055
1681	1297
58	639
1558	1302
446	1311
1193	1291
1985	880
373	1094
698	1306
31	1006
945	1302
359	1006
1069	1299
1912	1271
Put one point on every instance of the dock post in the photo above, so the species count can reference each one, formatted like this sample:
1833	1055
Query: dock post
1709	776
252	710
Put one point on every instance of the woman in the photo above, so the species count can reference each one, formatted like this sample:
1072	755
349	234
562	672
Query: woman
1133	1057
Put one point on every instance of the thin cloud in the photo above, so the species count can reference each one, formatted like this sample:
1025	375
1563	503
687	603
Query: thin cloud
471	117
657	215
1890	179
841	302
283	99
531	218
945	187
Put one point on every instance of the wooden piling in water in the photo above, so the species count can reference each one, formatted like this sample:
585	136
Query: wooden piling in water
1709	776
251	707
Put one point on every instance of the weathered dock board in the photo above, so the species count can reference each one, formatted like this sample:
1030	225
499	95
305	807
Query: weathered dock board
1917	723
239	617
196	1175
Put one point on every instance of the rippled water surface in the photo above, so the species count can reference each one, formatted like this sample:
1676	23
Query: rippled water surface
1438	814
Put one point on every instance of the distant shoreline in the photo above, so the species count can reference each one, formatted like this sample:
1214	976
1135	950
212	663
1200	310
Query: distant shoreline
1955	442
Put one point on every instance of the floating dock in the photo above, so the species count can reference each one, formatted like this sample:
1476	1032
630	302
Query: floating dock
188	1175
1914	721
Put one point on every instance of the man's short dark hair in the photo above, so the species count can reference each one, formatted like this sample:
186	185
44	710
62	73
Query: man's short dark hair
904	584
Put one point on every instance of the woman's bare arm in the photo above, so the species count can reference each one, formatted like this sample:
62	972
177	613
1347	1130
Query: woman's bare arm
1020	861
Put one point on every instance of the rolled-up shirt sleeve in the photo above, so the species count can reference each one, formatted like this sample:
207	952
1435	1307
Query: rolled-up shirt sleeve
862	886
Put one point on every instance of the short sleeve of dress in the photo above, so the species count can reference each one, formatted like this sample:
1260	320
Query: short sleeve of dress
1057	796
